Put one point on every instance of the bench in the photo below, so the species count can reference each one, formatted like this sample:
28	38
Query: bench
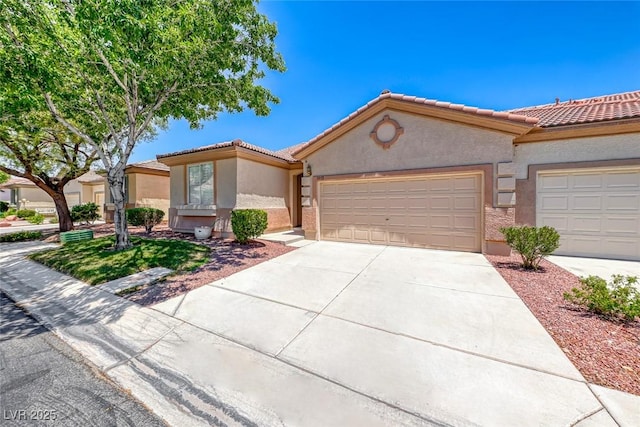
76	236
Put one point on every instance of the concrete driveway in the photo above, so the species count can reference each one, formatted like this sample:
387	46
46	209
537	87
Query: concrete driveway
438	336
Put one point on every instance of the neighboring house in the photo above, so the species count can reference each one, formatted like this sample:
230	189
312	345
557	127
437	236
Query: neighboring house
207	183
409	171
26	195
147	185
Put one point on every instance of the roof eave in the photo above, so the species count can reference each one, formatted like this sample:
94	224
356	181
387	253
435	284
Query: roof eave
581	130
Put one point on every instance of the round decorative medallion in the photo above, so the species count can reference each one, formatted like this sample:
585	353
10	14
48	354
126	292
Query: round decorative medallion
386	132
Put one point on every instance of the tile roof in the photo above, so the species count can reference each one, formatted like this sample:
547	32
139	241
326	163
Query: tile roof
281	154
15	181
90	177
150	164
504	115
588	110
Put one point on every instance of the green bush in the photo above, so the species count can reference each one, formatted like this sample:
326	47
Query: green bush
4	206
532	243
144	217
86	213
248	224
25	213
54	220
20	236
35	219
8	212
619	298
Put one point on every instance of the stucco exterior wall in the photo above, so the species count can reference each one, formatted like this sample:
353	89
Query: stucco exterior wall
261	186
625	146
226	181
177	196
425	143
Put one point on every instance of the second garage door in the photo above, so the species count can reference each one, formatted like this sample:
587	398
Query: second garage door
596	212
442	211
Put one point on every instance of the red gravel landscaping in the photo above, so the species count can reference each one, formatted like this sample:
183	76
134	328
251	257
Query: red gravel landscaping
605	352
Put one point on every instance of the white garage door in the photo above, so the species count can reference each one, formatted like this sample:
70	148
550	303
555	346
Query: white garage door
441	212
596	212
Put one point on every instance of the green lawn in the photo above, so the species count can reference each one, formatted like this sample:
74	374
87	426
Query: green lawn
94	261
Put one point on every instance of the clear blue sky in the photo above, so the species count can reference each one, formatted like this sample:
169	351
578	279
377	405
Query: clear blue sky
497	55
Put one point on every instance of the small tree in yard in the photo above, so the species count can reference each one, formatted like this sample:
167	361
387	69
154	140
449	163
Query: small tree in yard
248	224
86	213
532	243
111	72
144	217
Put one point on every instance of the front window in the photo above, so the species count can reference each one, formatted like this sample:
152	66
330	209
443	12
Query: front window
201	184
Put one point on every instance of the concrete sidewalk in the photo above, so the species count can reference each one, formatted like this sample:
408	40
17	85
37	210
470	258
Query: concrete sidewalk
347	366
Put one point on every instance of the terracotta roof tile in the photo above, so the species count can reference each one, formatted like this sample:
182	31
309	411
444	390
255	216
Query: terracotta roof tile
587	110
282	154
15	181
150	164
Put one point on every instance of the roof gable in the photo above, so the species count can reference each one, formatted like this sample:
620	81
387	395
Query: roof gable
500	121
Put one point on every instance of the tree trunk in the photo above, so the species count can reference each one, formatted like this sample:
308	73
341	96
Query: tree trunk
116	187
64	214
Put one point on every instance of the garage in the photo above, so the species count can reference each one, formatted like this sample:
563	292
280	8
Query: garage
596	211
437	211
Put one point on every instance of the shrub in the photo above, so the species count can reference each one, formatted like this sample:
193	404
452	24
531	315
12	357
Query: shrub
36	219
87	213
54	220
4	206
20	236
144	217
619	298
248	224
532	243
25	213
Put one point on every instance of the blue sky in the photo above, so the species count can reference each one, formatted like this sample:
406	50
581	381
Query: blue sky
497	55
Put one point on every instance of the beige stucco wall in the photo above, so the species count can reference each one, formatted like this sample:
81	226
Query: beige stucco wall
261	186
176	186
425	143
611	147
226	182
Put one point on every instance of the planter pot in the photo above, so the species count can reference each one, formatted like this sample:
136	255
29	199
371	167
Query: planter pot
203	232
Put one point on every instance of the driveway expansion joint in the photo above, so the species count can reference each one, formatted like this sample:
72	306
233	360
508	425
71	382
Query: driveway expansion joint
330	302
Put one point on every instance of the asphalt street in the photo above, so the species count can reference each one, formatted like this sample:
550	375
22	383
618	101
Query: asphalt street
44	382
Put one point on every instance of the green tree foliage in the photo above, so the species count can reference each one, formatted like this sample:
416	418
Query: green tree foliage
144	217
111	72
4	177
248	224
532	243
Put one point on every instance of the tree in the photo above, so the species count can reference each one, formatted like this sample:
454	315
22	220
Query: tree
110	72
3	177
37	148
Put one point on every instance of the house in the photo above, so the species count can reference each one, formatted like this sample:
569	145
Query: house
409	171
146	184
208	182
26	195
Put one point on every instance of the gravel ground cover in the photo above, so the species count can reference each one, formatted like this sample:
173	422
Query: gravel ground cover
605	352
